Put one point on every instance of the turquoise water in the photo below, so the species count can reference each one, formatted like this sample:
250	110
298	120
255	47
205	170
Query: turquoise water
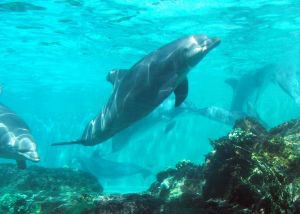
55	57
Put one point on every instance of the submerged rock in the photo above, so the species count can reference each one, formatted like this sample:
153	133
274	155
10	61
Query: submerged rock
255	169
250	170
42	190
173	183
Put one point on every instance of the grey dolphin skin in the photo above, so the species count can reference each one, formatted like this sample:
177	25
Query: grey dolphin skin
286	78
247	85
16	141
220	114
139	90
161	115
168	116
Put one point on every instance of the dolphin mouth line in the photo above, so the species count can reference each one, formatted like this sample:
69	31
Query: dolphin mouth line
36	160
214	42
27	157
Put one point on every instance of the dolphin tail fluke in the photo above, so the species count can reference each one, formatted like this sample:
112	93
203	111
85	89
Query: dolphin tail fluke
68	143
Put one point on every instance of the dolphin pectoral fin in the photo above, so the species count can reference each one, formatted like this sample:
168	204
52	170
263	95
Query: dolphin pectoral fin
233	82
181	92
69	143
166	90
21	164
115	75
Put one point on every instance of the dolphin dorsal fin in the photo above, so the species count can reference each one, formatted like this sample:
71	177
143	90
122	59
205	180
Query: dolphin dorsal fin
115	75
233	82
181	92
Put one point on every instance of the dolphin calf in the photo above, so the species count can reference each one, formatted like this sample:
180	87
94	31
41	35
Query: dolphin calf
16	141
139	90
247	85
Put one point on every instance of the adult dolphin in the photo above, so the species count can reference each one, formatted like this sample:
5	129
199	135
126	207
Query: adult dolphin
224	116
286	78
139	90
251	83
16	141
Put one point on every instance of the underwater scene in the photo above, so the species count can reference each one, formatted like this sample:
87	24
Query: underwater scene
147	107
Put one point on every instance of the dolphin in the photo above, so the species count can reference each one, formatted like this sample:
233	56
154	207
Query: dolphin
286	78
223	115
16	141
163	114
247	85
220	114
103	168
139	90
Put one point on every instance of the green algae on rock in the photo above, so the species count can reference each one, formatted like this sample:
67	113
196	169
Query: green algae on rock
254	170
173	183
43	190
250	170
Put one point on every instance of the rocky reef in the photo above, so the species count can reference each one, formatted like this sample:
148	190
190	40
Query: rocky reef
43	190
251	170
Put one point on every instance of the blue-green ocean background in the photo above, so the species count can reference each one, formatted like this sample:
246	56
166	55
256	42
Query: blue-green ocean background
53	65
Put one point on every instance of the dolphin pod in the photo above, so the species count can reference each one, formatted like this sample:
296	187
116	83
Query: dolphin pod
139	90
